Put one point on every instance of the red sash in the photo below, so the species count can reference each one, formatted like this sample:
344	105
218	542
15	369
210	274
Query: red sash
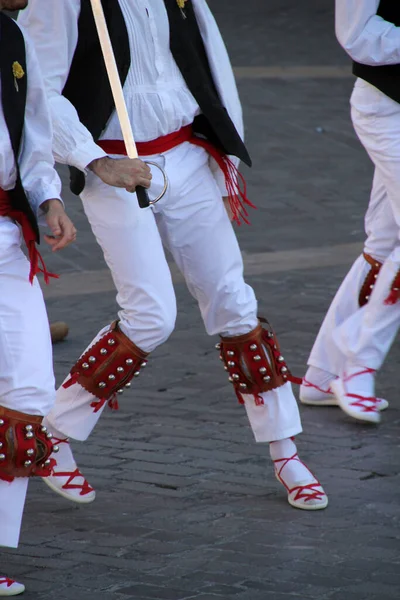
234	180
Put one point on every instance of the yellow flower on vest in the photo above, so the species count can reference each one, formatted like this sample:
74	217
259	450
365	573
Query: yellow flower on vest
18	73
182	4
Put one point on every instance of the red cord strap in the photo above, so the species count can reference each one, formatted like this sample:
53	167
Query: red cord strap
309	384
311	492
69	485
7	581
366	403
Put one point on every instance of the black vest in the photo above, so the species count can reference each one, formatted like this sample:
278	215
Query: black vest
88	89
12	49
387	77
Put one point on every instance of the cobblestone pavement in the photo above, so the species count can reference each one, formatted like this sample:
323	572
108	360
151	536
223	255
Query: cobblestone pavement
187	504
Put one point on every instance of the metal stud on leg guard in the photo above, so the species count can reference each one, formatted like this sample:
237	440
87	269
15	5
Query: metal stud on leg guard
108	366
254	362
25	446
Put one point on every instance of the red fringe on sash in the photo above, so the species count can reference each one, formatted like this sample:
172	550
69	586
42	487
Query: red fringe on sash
234	180
28	233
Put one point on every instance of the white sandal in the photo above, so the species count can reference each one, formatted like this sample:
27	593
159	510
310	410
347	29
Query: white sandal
327	397
9	587
70	483
304	495
358	406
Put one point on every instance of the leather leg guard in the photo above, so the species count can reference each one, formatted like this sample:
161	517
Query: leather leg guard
25	446
254	362
370	279
108	366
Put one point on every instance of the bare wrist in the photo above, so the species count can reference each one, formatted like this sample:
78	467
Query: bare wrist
99	164
48	204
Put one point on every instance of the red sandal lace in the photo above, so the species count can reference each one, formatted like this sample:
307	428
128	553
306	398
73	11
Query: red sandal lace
68	485
310	488
360	401
7	581
308	384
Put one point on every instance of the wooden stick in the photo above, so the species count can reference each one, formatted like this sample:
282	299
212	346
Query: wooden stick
117	92
114	78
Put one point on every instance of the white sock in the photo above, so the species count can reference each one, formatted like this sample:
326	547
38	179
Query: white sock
293	472
363	385
64	456
319	378
57	434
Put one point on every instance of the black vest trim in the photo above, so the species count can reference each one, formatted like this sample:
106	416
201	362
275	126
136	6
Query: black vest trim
12	49
89	91
190	55
385	78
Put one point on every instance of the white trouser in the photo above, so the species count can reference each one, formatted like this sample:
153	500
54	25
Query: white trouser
26	366
192	223
350	334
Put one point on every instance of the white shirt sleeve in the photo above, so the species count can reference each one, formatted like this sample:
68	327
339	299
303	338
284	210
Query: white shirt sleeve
39	178
223	76
53	27
367	38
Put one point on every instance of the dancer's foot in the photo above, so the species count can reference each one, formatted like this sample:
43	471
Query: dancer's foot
67	480
304	490
316	390
355	393
9	587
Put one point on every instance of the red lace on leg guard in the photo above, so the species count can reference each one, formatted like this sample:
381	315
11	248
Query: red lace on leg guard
370	279
254	362
107	367
25	446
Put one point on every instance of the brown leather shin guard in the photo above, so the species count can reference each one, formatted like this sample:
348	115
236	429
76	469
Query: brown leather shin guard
254	362
25	445
109	365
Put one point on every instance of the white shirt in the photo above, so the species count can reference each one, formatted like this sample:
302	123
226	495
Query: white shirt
367	38
158	99
39	178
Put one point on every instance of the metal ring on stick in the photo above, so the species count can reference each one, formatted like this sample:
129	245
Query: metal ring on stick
166	182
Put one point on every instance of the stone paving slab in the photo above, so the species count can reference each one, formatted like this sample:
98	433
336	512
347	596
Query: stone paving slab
187	505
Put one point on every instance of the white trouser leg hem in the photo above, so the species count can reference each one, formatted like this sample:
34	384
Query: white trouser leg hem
279	435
